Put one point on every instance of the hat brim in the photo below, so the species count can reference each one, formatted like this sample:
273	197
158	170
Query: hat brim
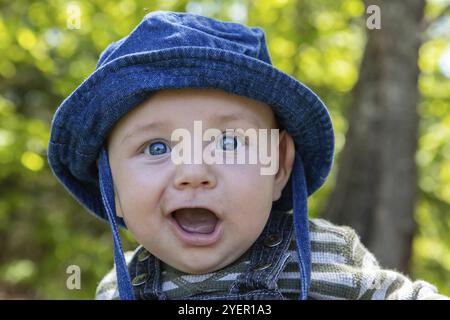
83	121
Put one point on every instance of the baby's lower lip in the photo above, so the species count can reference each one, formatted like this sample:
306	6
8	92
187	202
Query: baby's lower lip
196	238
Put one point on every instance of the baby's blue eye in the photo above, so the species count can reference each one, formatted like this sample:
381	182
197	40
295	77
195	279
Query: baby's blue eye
228	142
157	148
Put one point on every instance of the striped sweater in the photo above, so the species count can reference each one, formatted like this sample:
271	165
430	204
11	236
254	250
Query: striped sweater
342	268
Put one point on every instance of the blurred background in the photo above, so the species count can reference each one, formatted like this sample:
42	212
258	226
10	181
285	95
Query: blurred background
386	82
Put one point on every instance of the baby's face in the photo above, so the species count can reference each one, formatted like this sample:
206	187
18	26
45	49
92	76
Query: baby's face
198	218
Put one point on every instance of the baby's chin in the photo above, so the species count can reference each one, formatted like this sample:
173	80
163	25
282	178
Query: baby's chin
201	264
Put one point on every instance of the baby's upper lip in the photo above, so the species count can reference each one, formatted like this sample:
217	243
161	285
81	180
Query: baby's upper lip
193	206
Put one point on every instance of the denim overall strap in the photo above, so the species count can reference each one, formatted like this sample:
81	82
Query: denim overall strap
268	258
145	270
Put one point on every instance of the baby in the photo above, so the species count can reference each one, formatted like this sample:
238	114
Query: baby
172	136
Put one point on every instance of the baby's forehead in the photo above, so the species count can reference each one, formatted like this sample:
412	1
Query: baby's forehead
172	107
162	118
211	116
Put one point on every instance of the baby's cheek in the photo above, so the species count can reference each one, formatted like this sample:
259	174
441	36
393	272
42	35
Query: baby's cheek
254	201
145	183
148	229
251	185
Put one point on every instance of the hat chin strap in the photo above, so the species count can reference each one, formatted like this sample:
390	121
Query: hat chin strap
107	191
301	225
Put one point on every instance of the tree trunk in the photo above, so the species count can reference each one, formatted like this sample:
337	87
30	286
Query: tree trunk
376	184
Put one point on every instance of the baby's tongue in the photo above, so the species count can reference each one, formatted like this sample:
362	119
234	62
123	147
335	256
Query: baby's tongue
196	220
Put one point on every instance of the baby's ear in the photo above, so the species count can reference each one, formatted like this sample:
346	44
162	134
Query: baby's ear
286	151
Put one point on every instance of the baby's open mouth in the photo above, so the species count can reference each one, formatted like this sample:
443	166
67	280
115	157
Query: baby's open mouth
196	220
196	226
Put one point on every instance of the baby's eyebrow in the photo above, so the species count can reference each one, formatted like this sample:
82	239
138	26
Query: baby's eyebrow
219	120
157	125
224	118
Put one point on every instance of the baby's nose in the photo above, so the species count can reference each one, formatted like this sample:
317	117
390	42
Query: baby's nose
194	176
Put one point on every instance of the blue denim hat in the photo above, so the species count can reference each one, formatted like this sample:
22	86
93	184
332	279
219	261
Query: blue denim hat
180	50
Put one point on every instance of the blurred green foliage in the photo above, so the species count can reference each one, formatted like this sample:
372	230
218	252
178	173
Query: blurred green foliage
42	59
